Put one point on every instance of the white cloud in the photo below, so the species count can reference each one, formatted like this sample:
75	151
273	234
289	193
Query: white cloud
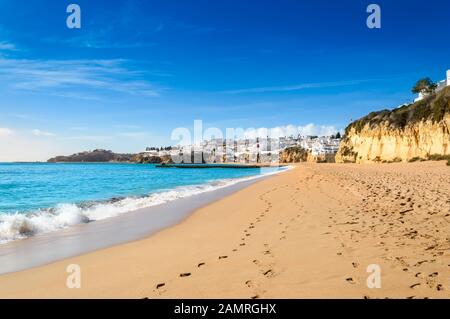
37	132
320	130
4	131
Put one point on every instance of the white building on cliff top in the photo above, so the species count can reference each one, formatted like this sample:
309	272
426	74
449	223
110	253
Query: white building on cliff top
440	86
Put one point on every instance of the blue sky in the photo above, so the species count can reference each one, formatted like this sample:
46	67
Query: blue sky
138	69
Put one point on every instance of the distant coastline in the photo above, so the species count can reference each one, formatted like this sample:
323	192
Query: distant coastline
107	156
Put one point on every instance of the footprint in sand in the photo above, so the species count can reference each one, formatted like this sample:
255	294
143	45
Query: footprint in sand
268	273
158	286
200	265
223	257
185	274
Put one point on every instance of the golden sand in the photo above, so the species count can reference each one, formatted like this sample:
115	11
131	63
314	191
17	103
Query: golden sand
310	232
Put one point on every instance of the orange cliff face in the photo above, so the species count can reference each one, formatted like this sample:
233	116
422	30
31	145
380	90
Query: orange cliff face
415	131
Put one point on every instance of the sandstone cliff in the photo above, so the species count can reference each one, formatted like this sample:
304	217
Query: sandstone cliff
416	131
143	158
298	155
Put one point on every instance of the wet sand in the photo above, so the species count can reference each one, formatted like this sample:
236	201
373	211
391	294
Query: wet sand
310	232
84	238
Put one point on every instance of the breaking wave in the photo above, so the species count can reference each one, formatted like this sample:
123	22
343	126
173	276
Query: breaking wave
22	225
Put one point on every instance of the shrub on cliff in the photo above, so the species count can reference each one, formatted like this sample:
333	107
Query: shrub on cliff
425	85
433	108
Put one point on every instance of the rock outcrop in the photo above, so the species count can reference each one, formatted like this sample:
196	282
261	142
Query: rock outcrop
105	156
298	154
95	156
294	155
143	158
416	131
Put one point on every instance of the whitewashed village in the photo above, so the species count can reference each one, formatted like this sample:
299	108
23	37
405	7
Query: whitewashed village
266	150
252	150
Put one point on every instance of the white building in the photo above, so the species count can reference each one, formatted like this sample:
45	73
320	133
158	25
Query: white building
440	86
151	152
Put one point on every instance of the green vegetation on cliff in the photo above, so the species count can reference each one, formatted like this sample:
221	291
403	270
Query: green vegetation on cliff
95	156
433	107
105	156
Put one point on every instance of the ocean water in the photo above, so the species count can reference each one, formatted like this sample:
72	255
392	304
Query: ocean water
37	197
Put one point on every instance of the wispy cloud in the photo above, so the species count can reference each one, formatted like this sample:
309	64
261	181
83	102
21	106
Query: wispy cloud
76	95
68	75
295	87
96	41
102	38
7	46
37	132
4	131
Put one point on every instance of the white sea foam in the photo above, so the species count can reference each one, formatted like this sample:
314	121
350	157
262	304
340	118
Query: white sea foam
20	225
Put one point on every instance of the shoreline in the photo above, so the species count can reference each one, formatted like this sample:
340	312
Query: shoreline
310	232
45	248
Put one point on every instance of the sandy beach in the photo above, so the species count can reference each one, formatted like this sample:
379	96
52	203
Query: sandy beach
310	232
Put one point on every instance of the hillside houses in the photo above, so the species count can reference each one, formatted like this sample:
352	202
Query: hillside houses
248	150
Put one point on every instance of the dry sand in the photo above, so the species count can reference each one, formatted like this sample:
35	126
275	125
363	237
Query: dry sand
310	232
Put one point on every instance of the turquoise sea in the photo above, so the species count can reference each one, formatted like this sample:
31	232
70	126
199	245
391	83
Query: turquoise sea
40	197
